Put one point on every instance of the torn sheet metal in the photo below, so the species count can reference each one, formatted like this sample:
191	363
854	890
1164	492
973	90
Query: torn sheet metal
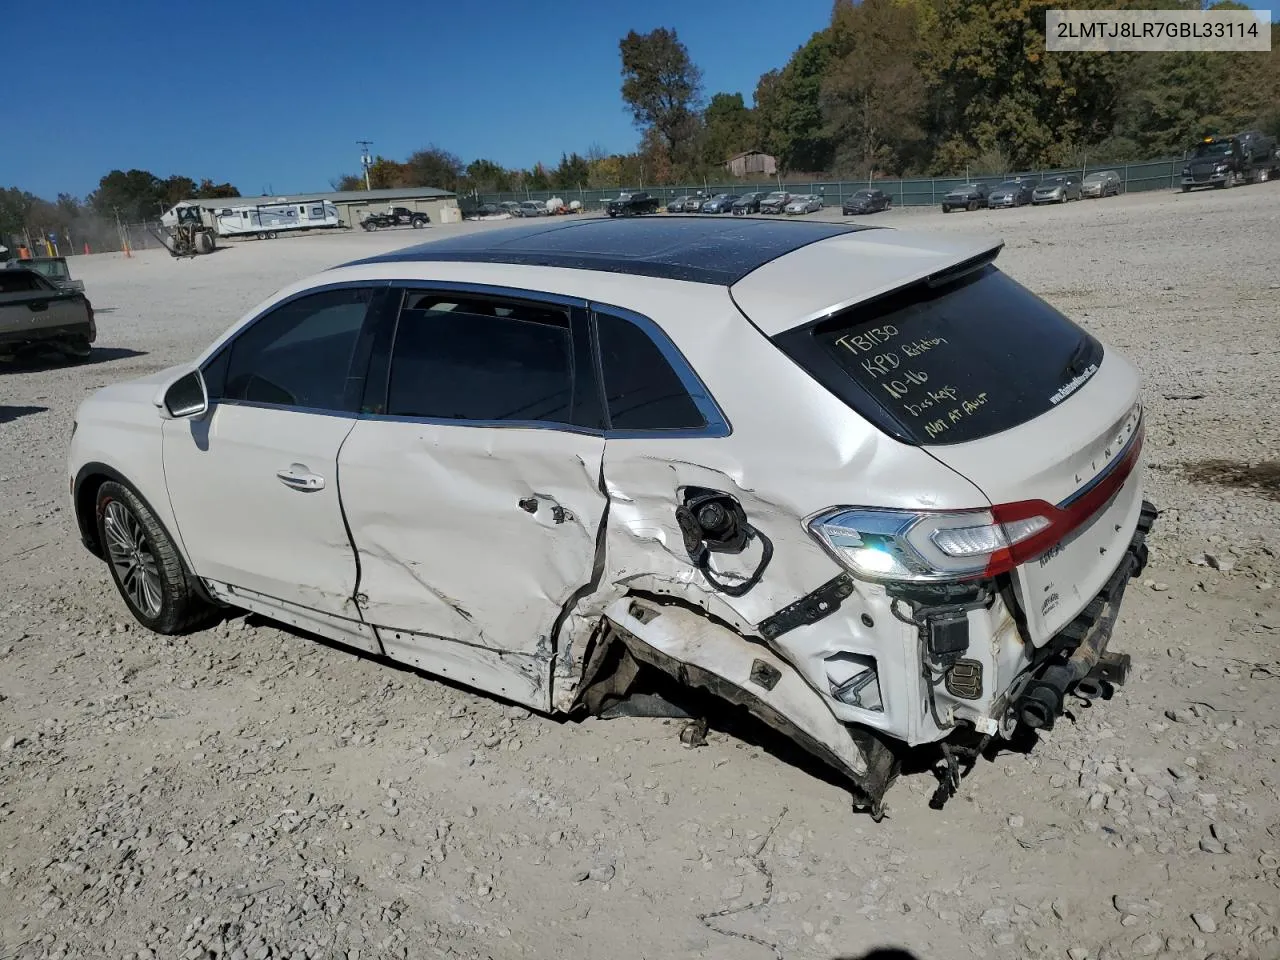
520	677
695	642
478	535
783	461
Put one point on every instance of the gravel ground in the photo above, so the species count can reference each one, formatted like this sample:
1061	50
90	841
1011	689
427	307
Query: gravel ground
249	792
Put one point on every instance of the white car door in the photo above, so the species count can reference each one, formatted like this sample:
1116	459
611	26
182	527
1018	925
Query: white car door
473	489
253	483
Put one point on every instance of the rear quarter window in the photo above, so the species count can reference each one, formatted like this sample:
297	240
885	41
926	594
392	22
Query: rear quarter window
946	364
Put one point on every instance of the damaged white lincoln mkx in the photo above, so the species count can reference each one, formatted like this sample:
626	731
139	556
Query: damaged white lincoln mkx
857	481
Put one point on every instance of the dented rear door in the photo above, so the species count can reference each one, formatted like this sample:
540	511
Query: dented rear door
472	490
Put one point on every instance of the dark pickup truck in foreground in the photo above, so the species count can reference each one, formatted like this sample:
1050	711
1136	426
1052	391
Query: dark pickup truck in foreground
35	314
54	269
1248	157
632	204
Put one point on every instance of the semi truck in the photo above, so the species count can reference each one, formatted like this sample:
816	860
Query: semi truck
1225	161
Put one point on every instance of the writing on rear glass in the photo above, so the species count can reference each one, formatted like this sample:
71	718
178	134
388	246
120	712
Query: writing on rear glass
888	365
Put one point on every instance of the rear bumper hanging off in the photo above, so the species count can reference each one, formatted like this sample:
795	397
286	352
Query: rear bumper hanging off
1081	647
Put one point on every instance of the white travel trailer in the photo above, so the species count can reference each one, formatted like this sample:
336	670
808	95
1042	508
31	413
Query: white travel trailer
266	220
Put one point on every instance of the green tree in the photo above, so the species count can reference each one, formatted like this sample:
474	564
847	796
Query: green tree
661	85
432	167
488	177
572	172
538	178
134	194
175	189
730	128
788	109
873	93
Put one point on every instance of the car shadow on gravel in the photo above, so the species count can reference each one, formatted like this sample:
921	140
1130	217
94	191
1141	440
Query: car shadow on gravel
13	413
655	696
662	696
882	953
53	360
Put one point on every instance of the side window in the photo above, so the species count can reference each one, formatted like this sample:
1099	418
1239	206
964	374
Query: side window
642	390
298	355
459	358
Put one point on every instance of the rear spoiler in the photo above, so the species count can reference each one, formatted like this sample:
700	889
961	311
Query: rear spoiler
964	268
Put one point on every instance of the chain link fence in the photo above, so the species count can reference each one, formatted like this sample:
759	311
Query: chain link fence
89	235
106	236
1152	175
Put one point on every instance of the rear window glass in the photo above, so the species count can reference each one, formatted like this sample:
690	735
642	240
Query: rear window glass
952	363
22	280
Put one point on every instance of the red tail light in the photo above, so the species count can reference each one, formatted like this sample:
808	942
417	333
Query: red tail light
923	546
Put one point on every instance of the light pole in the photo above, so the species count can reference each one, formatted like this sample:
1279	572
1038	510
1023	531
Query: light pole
366	161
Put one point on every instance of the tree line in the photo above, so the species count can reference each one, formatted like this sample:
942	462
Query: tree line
900	88
129	196
885	88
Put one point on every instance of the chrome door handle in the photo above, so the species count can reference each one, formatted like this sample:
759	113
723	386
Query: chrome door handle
298	477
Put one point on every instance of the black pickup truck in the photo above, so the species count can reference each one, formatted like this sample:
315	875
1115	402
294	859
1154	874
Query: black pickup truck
396	217
632	204
35	313
1248	157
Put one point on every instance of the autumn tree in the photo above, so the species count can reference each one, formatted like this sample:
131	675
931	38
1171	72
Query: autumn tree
662	86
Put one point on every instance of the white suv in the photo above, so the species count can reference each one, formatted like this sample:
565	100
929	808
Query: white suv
856	480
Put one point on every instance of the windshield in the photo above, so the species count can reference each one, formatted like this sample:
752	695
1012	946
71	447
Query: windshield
776	196
1010	185
1096	177
950	364
966	188
1220	149
863	195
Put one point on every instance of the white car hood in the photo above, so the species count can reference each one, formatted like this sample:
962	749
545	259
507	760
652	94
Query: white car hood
144	389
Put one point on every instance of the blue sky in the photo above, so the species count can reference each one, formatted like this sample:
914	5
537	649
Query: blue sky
274	93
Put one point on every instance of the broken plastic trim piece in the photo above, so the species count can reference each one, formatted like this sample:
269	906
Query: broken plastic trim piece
811	608
697	652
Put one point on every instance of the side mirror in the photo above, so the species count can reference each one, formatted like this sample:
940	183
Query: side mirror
185	398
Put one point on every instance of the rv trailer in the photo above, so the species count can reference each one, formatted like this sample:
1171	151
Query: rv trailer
266	220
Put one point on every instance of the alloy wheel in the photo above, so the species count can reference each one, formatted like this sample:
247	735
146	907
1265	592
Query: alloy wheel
132	557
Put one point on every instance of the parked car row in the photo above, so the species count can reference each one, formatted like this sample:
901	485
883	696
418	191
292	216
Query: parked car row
741	204
976	195
1018	192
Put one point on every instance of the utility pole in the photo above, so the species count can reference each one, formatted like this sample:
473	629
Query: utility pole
366	160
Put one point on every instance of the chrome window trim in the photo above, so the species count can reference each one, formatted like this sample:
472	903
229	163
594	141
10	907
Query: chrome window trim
286	408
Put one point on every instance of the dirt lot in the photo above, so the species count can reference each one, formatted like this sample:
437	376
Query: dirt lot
249	792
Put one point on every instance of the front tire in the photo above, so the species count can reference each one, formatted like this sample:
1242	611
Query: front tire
145	564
